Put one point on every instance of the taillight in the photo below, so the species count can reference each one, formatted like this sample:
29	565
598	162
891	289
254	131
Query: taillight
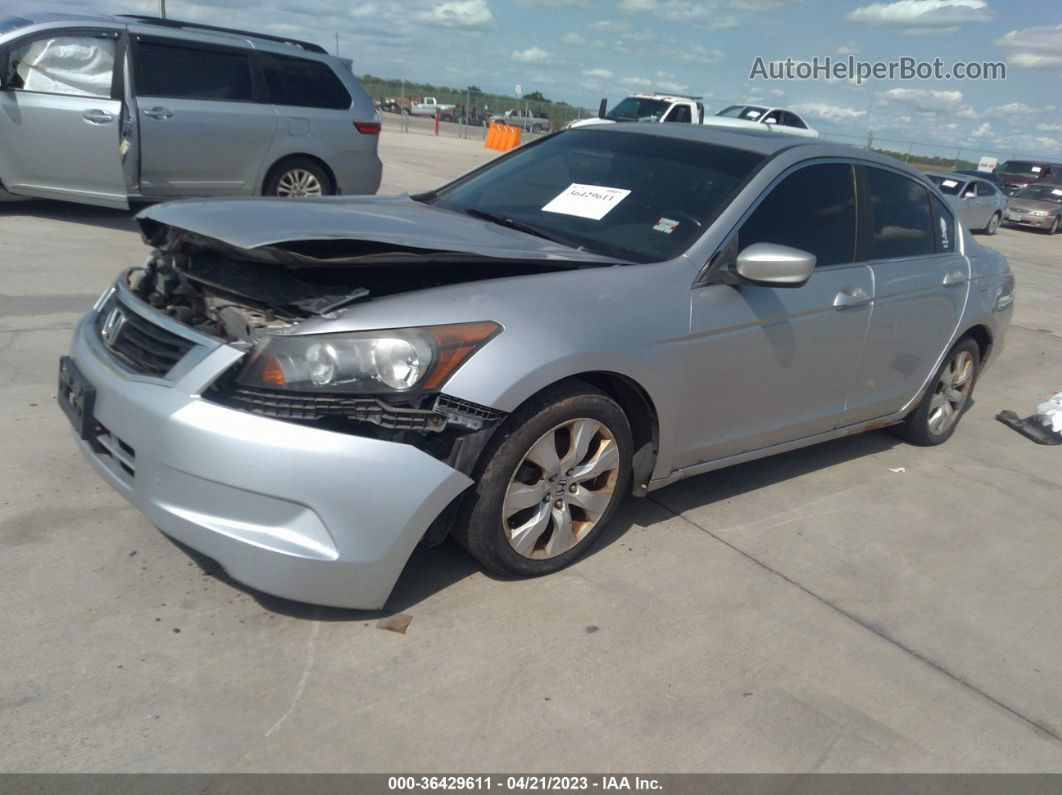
368	127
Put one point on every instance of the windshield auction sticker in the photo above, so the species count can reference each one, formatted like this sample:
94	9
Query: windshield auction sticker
586	201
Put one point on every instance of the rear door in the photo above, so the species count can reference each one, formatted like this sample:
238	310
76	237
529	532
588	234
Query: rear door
921	283
60	117
205	121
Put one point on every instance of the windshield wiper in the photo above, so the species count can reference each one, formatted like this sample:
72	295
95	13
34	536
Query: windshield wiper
527	229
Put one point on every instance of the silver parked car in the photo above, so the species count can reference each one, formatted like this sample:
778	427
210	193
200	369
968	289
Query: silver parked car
304	392
980	203
104	110
1037	206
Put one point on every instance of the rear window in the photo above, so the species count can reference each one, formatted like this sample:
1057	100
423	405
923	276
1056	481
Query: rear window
181	72
303	83
1023	168
903	223
948	185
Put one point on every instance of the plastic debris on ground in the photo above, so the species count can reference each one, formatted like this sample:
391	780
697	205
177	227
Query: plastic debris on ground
1043	427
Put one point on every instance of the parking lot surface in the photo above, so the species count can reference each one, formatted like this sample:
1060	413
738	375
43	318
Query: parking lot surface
862	605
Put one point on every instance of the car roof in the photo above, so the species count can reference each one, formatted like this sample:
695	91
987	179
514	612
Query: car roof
125	20
665	97
956	175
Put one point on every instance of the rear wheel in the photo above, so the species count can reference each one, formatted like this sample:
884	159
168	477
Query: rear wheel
298	178
993	224
936	417
549	483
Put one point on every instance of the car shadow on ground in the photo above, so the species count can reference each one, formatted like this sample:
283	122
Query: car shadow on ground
433	569
102	217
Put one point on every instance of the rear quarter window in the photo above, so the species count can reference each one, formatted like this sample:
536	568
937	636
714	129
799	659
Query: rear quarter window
303	83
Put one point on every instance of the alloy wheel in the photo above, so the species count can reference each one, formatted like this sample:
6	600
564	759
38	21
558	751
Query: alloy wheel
298	183
993	224
951	393
561	488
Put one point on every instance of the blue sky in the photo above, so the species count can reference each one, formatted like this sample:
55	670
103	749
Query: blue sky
579	50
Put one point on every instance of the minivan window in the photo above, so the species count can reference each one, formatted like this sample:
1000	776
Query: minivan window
186	72
637	197
812	209
303	83
903	224
77	65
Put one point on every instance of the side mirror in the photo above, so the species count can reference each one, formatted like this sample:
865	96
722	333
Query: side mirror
970	194
775	266
770	120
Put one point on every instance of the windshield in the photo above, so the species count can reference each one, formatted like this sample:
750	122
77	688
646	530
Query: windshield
638	109
640	198
1017	168
1043	193
749	112
947	184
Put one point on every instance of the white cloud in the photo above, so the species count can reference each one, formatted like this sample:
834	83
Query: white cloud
983	130
851	48
1034	48
701	13
611	25
829	112
363	10
1049	127
554	4
923	16
599	74
531	55
636	82
572	38
469	14
762	5
1016	109
695	53
925	100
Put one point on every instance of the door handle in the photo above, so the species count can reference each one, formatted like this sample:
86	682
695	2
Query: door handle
97	116
954	278
849	297
159	113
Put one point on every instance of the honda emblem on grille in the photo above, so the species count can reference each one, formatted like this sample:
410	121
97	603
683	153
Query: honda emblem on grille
112	325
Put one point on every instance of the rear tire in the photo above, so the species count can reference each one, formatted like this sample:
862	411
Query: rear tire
548	483
298	178
993	224
946	399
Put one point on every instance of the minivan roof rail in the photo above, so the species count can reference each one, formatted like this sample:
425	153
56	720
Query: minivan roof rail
166	22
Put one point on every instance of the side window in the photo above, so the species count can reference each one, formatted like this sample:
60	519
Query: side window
80	65
679	113
180	71
303	83
945	226
903	224
986	188
792	120
775	116
812	209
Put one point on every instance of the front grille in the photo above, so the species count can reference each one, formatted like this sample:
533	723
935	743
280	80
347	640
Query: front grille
138	342
303	407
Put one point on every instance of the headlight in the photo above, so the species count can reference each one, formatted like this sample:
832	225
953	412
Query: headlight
1040	213
392	360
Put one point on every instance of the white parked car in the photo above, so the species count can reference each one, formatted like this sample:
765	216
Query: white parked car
756	117
651	107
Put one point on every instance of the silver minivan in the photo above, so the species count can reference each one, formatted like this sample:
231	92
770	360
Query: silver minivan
108	110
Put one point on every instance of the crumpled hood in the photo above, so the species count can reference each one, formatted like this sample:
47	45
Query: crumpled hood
397	221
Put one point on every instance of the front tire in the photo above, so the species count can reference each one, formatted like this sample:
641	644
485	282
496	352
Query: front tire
937	416
298	178
1054	226
548	483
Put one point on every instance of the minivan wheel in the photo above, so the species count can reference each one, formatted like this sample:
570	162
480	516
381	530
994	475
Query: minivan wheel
936	417
298	178
993	224
548	483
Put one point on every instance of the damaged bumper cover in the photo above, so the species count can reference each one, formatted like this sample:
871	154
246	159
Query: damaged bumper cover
298	512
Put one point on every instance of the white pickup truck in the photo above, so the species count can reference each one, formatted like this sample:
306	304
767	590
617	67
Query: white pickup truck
429	106
653	107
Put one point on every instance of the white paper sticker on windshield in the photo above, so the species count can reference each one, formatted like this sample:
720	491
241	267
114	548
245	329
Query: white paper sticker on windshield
949	183
1036	169
1056	192
586	201
665	225
752	114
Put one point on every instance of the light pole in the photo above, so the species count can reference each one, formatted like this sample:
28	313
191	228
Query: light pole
162	8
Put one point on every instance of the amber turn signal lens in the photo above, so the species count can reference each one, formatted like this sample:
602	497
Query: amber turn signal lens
455	343
272	373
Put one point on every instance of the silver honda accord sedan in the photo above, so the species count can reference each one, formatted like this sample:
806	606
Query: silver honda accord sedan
304	391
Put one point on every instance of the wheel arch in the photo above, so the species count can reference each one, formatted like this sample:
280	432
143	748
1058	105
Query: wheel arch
982	335
280	161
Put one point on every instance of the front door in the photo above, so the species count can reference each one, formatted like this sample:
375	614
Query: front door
205	127
60	118
767	365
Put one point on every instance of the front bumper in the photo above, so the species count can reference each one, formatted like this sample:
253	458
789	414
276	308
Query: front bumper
1021	219
311	515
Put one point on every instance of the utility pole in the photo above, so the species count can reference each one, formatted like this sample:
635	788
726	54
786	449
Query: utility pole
162	8
337	43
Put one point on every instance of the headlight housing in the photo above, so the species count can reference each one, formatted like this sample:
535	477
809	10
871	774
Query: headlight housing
1039	213
361	362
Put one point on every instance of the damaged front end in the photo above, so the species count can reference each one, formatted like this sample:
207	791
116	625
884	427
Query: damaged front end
383	384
